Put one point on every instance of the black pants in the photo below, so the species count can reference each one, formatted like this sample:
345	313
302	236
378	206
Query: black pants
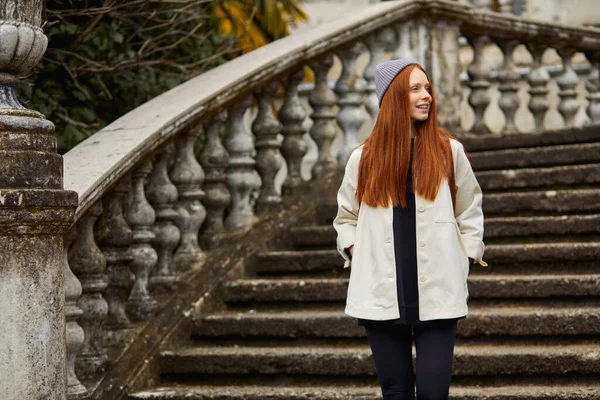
392	350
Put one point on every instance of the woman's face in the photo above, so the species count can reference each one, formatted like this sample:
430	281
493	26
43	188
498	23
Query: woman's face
419	97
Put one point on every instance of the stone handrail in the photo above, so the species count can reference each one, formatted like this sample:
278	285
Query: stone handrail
95	164
149	207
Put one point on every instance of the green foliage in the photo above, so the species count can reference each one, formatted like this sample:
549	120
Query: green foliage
107	57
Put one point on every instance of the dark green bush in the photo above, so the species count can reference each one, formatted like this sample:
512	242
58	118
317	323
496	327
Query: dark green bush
105	58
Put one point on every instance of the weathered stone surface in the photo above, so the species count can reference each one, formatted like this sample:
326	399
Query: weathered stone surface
528	319
29	12
309	260
311	360
275	290
496	286
366	392
32	323
306	236
16	167
35	213
542	252
541	202
317	359
481	286
536	157
541	225
585	134
261	393
539	177
280	324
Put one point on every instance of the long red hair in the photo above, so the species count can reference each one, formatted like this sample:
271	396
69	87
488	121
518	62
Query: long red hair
386	153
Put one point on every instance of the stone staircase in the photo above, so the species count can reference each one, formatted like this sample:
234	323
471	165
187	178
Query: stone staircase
534	315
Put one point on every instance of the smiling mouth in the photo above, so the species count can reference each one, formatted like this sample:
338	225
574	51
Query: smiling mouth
423	107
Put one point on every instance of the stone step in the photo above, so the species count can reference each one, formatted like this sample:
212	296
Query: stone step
541	225
523	320
510	203
366	392
356	360
317	260
325	235
546	201
480	287
313	236
542	252
297	261
539	177
477	142
556	155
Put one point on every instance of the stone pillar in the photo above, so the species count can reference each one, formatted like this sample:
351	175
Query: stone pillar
163	195
538	81
35	213
322	100
593	87
350	88
479	75
242	178
215	160
567	83
509	79
266	127
292	116
444	70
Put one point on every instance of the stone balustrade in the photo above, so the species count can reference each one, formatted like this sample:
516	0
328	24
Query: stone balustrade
168	182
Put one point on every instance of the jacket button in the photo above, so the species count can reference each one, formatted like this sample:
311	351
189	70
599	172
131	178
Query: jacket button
423	278
421	243
421	209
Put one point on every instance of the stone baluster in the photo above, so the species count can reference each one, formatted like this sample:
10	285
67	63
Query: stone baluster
538	81
479	82
567	82
35	214
377	44
114	238
242	178
322	100
187	175
215	160
266	127
75	335
506	6
509	79
593	87
350	88
140	217
294	147
404	45
162	195
89	264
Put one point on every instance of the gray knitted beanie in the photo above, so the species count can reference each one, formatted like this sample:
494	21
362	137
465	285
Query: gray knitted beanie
385	74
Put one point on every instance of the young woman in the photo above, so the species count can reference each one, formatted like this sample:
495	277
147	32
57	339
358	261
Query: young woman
409	224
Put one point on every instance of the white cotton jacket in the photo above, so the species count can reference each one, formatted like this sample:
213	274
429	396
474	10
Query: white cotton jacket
446	237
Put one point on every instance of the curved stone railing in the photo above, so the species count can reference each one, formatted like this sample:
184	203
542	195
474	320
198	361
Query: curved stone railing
149	208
